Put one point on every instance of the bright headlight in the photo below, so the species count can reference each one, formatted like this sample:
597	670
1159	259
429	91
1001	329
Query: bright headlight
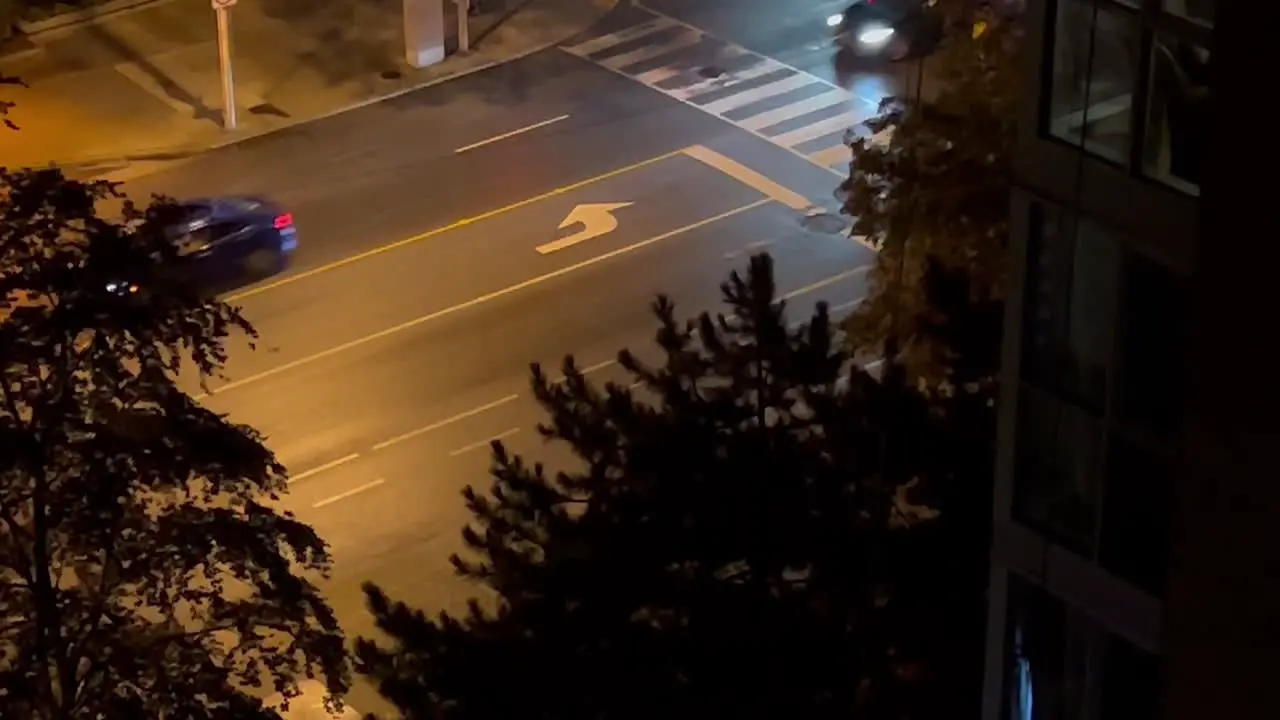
875	35
834	20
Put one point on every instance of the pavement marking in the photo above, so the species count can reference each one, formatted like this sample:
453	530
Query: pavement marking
587	370
327	466
811	127
445	422
450	227
506	135
483	443
745	175
861	269
482	299
353	491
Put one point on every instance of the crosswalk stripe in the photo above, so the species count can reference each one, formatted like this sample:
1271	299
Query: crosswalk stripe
751	72
746	97
795	110
595	45
770	99
657	75
816	130
679	42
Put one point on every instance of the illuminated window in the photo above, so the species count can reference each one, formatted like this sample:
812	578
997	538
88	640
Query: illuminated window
1095	51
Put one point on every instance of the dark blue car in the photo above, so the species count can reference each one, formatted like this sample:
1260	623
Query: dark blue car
224	243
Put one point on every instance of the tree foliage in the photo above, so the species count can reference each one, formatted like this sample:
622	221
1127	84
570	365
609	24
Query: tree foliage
142	572
7	105
734	543
936	196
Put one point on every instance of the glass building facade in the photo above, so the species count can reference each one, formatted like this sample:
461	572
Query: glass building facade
1090	588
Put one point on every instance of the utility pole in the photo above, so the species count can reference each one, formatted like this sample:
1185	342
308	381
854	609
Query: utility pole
222	9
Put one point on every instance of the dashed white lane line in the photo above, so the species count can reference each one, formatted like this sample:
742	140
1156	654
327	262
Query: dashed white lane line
513	133
483	443
327	466
831	280
353	491
482	299
447	421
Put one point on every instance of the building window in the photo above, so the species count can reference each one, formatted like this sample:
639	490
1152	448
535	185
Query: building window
1046	656
1200	11
1058	474
1137	502
1095	49
1178	111
1069	309
1061	665
1154	308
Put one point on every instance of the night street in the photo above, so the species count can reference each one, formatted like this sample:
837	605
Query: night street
431	271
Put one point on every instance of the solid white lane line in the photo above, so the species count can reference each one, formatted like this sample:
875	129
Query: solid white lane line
445	422
483	443
860	270
349	493
513	133
745	175
482	299
327	466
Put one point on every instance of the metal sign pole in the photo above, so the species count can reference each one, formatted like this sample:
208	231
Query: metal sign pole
221	9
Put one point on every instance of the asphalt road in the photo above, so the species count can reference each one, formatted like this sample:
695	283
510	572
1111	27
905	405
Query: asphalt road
399	343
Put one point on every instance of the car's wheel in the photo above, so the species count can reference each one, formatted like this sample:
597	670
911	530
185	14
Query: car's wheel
263	263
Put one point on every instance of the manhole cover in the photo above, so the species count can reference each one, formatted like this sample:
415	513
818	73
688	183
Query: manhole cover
710	71
824	222
389	74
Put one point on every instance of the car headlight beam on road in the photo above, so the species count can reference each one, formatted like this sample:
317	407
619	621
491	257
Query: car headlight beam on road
874	36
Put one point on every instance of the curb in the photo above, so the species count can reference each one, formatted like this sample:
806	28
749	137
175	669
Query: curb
172	157
80	17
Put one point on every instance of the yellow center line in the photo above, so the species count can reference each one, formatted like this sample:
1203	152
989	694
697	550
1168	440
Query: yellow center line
289	279
482	299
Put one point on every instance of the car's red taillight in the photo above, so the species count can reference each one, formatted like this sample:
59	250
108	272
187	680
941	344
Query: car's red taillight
284	221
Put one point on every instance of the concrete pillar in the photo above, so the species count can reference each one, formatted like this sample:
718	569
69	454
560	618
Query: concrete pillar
423	32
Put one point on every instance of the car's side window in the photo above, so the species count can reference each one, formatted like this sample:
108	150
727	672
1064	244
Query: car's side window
202	238
194	241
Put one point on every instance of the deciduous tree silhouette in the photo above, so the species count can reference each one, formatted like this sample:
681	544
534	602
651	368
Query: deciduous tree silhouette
143	573
938	193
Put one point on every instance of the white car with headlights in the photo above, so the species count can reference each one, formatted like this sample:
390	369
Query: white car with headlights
891	29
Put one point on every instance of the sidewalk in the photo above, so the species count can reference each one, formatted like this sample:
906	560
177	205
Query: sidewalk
142	86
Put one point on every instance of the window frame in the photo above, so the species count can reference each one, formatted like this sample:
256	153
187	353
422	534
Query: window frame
1151	19
1111	426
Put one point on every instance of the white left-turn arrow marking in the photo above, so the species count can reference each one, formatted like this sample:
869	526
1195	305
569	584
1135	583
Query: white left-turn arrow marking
596	219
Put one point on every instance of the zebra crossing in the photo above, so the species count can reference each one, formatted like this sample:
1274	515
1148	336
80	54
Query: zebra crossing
796	110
